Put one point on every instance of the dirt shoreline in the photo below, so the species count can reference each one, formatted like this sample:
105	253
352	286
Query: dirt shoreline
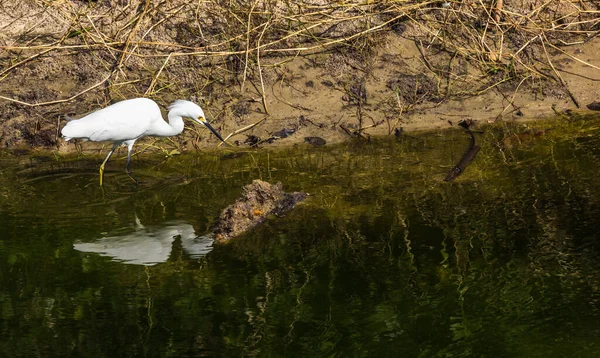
393	75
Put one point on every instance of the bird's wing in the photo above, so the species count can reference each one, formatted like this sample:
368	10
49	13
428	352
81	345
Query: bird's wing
119	122
118	129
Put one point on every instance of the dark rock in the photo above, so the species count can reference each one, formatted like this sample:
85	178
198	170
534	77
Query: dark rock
594	106
466	123
252	140
284	133
358	92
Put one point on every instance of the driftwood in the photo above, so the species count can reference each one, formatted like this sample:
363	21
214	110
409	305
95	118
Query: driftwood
466	159
258	201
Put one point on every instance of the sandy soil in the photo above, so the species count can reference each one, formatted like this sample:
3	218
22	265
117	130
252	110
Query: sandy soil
321	97
336	94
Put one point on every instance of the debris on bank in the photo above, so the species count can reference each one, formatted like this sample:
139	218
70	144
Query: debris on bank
356	134
258	202
316	141
594	106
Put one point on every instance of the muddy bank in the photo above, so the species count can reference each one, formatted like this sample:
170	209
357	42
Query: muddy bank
367	68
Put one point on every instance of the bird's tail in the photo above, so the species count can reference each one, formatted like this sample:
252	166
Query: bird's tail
67	130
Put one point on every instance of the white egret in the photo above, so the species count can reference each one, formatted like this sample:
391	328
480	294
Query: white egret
125	122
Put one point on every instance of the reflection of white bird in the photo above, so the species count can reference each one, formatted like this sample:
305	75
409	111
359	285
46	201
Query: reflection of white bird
149	245
124	122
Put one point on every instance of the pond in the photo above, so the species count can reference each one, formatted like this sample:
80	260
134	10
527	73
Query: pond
384	259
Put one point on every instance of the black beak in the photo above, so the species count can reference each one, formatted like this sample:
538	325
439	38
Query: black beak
207	125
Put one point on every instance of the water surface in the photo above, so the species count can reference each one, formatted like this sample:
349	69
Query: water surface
383	260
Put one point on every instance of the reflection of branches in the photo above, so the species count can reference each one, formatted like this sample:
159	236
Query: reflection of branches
257	333
299	303
402	222
148	304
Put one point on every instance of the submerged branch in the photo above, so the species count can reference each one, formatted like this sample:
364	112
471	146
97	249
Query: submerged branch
466	159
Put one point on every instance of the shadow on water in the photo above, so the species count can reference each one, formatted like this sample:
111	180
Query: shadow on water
383	259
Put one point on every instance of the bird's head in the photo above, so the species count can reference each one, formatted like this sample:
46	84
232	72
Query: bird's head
192	111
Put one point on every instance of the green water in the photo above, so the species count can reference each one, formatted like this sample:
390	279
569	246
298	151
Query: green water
383	260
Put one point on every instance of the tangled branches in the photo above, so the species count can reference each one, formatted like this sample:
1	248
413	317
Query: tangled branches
106	50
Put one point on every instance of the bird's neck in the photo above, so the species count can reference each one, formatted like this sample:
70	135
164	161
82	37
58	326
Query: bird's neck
175	125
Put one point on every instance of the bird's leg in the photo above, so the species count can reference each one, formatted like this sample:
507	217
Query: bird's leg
129	148
115	145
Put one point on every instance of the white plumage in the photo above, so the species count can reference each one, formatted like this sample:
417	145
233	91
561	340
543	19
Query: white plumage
124	122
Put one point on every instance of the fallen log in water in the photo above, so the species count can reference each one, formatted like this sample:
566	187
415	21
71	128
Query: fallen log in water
466	160
259	200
